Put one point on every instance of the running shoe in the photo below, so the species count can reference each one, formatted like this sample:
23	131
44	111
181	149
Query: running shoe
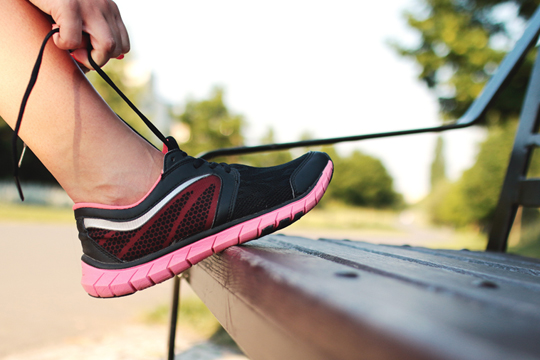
196	209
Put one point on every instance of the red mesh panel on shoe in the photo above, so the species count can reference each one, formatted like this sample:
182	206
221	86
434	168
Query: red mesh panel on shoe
188	213
197	218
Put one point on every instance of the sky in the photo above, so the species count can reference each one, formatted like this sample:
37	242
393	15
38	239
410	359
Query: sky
317	66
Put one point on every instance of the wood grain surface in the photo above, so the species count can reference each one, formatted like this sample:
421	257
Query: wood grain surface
284	297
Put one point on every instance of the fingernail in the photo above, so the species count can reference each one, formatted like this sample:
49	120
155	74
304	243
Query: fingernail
120	57
74	57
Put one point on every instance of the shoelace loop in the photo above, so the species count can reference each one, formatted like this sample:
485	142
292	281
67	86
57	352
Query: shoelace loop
200	162
169	142
33	78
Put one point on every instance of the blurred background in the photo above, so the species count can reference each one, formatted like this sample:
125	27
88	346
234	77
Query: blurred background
218	74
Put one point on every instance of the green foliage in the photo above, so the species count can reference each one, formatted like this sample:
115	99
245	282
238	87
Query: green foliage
362	180
359	180
462	42
137	93
472	199
336	216
438	166
527	223
460	47
193	315
211	125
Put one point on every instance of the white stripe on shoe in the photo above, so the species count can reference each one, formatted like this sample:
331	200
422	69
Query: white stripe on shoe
137	223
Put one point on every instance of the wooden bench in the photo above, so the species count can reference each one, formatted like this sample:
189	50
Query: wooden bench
283	297
287	297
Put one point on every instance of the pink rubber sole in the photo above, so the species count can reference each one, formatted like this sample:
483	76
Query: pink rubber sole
118	282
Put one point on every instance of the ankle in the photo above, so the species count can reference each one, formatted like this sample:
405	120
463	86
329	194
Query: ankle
120	186
122	194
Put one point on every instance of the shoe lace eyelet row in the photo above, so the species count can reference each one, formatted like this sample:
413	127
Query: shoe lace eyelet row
200	162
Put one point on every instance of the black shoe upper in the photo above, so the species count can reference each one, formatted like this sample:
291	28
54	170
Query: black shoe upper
266	188
244	193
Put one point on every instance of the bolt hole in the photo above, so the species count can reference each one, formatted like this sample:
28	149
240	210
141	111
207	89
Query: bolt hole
347	274
486	284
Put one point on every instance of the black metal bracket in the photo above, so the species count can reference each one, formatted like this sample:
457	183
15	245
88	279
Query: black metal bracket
517	189
175	303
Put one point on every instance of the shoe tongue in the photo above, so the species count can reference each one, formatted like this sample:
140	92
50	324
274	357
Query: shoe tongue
172	158
173	154
170	145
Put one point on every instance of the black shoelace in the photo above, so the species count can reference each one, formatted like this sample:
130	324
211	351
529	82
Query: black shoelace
31	83
30	87
169	142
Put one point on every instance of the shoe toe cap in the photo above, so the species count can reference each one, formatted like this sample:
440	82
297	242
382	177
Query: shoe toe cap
309	171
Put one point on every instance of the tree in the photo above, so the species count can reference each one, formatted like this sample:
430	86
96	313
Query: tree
211	125
472	199
438	166
461	43
359	179
362	180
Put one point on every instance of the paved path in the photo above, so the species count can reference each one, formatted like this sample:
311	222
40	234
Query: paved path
42	301
134	342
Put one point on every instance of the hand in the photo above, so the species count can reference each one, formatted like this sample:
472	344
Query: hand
100	19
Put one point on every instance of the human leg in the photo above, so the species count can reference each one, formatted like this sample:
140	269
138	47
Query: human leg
94	156
195	209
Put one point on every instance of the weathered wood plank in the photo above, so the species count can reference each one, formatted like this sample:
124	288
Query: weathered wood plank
256	295
293	298
489	269
497	257
413	267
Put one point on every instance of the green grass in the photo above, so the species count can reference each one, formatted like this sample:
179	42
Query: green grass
193	315
375	223
465	239
338	216
35	213
525	240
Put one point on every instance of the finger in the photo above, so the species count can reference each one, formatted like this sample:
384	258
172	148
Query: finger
111	16
118	41
104	42
125	46
124	37
70	23
81	54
